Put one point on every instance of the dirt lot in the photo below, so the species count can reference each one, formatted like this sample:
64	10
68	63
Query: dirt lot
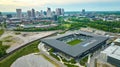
17	39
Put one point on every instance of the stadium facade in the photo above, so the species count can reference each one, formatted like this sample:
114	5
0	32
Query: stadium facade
90	43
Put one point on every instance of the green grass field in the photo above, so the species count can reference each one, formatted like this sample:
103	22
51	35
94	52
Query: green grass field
31	48
84	60
1	32
74	42
67	25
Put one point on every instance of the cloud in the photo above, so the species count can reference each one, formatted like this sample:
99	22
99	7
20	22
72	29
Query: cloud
42	3
22	3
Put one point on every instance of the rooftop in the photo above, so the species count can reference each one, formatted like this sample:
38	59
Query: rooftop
113	51
117	40
75	50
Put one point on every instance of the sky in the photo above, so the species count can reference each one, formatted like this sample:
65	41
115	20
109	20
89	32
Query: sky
68	5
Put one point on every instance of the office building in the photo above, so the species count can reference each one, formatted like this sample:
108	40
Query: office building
13	20
19	13
58	11
55	18
42	13
9	15
83	12
49	13
53	13
1	17
111	55
29	14
37	14
33	13
62	11
45	13
0	13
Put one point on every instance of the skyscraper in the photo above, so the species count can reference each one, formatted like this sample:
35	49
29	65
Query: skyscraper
53	13
33	13
59	11
42	13
49	13
45	13
19	13
37	14
55	17
83	11
1	17
62	11
29	14
0	13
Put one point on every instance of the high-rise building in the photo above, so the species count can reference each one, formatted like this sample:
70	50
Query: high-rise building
49	13
59	11
19	13
83	11
37	13
110	57
42	13
33	13
62	11
1	17
45	13
0	13
9	15
53	13
55	18
29	13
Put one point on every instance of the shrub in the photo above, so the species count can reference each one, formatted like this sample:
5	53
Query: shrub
54	56
70	65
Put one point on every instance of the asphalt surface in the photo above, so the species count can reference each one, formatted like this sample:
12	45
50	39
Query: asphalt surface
32	60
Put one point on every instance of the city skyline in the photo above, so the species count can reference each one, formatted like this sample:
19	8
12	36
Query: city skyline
68	5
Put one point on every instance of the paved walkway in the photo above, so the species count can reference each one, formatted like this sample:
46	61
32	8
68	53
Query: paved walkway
43	51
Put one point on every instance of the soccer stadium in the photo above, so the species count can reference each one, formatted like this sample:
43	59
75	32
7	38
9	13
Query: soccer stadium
74	44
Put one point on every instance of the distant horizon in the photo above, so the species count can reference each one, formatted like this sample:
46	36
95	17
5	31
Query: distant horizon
67	11
68	5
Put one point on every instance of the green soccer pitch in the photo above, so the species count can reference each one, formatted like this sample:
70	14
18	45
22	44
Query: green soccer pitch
74	42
